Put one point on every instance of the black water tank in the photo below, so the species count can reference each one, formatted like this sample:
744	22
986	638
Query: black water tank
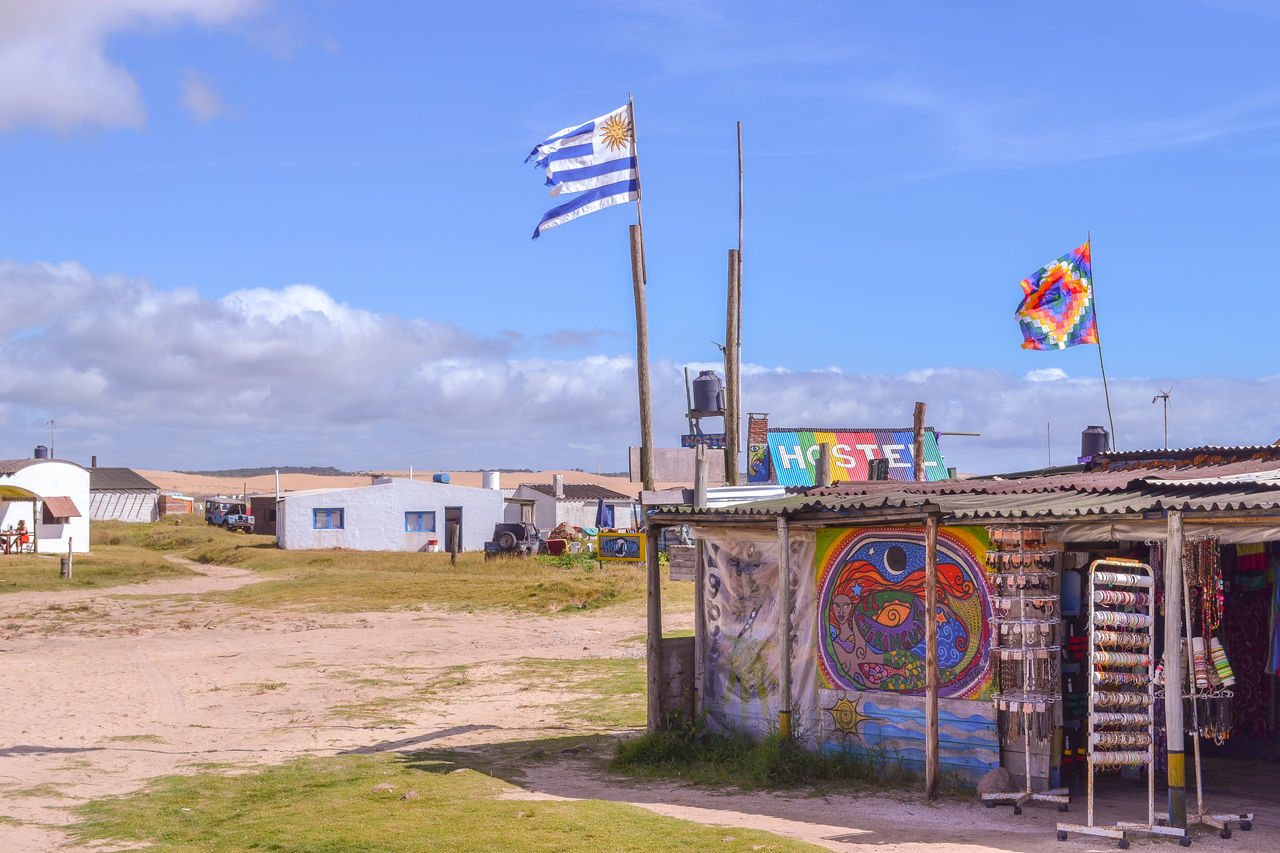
42	452
1094	440
706	392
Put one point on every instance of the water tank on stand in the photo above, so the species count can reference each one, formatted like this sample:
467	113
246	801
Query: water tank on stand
1094	440
42	452
707	396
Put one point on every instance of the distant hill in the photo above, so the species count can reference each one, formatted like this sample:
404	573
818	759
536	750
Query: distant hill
328	471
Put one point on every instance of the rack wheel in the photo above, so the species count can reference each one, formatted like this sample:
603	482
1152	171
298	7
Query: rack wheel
1017	809
991	804
1062	807
1124	844
1246	825
1185	841
1062	835
1224	833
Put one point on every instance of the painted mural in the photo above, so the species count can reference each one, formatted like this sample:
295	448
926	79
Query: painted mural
743	673
871	611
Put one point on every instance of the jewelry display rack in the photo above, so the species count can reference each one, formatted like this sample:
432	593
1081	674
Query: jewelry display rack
1026	623
1200	672
1121	670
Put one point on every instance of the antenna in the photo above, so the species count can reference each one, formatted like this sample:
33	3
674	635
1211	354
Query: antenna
1164	396
53	453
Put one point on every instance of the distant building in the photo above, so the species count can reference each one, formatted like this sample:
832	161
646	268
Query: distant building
389	515
122	494
176	504
559	502
52	497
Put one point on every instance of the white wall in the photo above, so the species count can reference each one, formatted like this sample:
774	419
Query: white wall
51	478
549	512
373	516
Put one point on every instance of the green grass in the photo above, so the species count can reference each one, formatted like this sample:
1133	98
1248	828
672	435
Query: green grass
694	756
383	710
324	805
103	568
611	690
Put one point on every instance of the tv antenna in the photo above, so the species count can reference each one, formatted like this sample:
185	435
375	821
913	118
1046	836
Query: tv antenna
53	453
1164	396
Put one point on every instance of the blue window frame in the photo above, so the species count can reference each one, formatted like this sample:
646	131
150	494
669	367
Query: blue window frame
326	519
420	522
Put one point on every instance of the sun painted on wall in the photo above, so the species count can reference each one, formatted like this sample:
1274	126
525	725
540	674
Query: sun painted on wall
871	611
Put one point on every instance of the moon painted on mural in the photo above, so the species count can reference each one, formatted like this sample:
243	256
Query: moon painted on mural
872	614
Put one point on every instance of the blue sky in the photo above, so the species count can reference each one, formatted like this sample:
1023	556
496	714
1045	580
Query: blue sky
255	232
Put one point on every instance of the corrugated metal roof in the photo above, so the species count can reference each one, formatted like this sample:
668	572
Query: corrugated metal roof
119	479
579	491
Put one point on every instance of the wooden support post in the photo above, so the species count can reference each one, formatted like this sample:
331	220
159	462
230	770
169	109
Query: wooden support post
784	581
700	477
454	535
731	415
931	657
1173	607
654	645
699	624
642	357
917	444
824	464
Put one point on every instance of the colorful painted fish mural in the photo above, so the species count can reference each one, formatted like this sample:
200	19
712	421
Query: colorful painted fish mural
872	618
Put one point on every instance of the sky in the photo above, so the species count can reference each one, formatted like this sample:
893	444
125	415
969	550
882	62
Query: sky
275	232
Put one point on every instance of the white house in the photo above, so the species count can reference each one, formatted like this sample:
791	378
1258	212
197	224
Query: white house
390	515
559	502
51	496
122	494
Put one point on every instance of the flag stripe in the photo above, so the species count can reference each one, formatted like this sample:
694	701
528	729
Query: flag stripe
589	202
561	138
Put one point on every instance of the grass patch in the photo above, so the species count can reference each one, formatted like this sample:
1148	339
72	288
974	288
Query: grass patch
321	805
611	690
382	711
692	755
104	567
136	739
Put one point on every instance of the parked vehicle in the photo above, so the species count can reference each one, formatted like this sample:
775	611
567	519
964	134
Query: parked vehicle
515	538
228	514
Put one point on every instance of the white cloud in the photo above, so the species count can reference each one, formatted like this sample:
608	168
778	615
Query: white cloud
199	98
155	378
54	69
1048	374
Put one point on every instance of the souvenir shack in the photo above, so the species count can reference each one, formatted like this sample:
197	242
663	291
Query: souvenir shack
949	622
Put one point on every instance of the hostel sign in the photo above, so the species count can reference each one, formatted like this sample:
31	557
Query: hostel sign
790	455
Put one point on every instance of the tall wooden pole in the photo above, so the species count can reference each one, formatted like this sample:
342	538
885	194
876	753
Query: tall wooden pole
1173	609
917	444
731	375
737	331
642	358
653	649
931	657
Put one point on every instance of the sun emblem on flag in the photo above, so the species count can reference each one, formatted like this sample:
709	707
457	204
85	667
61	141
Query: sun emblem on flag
616	132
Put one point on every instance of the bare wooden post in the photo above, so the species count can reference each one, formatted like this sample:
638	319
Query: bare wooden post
654	644
454	535
824	464
731	376
699	623
784	580
700	476
1173	607
642	357
66	564
917	445
931	657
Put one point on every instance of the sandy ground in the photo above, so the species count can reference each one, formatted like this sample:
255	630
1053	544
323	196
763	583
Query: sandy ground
104	691
199	485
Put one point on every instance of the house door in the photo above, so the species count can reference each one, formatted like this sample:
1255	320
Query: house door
452	528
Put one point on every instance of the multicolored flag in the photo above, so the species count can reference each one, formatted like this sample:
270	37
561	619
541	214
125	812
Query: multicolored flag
1056	311
598	157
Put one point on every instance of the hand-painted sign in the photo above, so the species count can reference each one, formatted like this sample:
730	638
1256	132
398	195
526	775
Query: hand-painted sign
713	440
621	547
790	456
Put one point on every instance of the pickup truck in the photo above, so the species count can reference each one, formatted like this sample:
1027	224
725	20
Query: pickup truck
228	514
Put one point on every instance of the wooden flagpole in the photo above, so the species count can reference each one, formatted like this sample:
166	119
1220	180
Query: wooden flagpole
1098	329
639	279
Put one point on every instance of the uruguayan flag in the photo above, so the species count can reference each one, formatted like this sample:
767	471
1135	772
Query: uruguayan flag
597	159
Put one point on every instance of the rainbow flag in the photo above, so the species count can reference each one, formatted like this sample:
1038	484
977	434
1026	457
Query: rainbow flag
1056	311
